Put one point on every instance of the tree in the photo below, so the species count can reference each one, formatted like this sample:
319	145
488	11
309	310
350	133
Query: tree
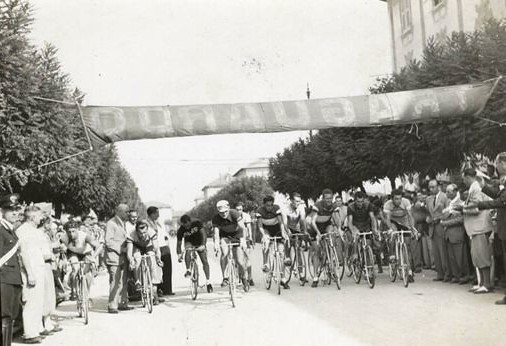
353	155
249	190
34	132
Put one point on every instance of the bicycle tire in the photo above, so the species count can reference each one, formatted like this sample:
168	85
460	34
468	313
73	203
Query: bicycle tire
79	296
268	275
405	264
357	267
348	262
194	281
85	300
301	266
334	263
326	266
392	270
310	263
288	269
148	287
370	274
232	282
278	273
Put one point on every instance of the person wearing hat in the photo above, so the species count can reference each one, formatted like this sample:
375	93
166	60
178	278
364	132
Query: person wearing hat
10	271
229	228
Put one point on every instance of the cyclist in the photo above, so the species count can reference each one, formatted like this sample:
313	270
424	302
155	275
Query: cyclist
295	220
249	239
361	219
80	247
194	235
398	216
324	218
229	228
270	224
144	241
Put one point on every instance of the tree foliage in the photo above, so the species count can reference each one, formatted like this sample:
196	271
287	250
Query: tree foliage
249	190
344	157
34	132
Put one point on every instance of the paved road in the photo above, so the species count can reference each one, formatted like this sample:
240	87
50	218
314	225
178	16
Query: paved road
426	313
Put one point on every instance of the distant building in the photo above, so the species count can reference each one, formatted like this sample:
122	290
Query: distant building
258	168
216	185
413	22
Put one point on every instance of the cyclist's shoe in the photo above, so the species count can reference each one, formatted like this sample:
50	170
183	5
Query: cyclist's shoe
288	262
285	285
245	285
225	282
251	282
411	278
392	259
209	288
156	301
265	268
314	284
187	274
380	269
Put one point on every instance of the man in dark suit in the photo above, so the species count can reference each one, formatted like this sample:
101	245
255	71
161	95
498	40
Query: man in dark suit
436	202
498	192
10	273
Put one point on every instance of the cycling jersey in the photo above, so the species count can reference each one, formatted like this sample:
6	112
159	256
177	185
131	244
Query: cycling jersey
228	227
82	247
361	217
293	218
398	214
194	236
269	218
143	245
324	214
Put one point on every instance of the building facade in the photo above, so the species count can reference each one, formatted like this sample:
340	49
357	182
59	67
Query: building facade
413	22
258	168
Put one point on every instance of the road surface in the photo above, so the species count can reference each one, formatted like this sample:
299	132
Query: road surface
425	313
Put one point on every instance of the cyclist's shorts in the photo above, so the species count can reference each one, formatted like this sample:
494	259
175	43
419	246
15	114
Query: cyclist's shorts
322	227
230	239
273	230
188	246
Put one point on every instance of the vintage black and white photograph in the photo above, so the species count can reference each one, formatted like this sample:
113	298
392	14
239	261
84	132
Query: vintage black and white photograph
253	173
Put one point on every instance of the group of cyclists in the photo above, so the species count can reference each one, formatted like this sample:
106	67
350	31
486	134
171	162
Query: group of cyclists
278	228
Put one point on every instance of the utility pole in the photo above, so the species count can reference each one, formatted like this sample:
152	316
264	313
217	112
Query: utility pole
308	94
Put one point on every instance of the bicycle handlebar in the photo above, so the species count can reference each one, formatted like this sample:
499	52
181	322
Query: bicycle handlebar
401	232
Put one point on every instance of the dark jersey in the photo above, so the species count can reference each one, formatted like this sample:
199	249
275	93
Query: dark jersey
361	218
228	227
270	215
195	236
324	212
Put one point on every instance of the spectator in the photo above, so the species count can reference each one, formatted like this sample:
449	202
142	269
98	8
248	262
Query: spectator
436	202
49	306
163	240
453	222
32	259
478	225
420	214
131	222
499	193
10	278
410	186
116	260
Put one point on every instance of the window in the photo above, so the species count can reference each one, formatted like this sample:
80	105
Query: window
405	11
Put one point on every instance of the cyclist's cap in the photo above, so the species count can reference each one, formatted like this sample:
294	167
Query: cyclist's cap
222	205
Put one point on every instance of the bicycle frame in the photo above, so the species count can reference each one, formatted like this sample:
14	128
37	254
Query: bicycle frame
275	258
298	264
231	272
147	294
402	267
82	290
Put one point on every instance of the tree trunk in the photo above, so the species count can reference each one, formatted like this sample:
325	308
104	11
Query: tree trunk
58	208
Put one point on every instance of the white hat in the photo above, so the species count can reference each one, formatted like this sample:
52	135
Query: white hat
222	205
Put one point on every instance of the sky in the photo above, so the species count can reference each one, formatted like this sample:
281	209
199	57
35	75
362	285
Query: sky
140	53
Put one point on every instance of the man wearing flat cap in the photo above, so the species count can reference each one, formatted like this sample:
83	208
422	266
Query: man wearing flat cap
10	273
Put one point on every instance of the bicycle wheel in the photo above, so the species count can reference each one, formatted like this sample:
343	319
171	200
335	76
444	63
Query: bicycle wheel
404	264
349	261
288	269
232	282
357	267
326	266
310	263
335	267
392	270
277	272
268	275
85	300
370	274
301	266
148	288
194	280
79	295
